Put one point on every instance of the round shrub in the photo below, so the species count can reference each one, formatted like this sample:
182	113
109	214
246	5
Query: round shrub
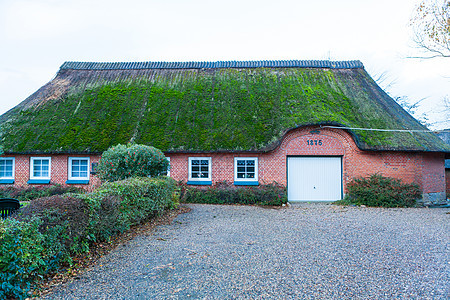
123	161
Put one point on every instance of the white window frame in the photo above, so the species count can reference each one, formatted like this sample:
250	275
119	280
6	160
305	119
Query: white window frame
168	169
32	159
236	167
209	168
13	167
69	169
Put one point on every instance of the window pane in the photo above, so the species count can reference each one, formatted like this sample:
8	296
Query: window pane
199	168
246	168
6	168
36	171
41	167
80	168
250	162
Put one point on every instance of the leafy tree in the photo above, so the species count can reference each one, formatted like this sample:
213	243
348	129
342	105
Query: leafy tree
431	25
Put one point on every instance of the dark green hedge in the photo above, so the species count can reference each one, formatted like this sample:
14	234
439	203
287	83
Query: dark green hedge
379	191
226	193
29	193
49	232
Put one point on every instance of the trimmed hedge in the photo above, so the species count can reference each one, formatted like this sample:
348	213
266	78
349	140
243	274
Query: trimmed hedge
379	191
30	193
48	233
227	193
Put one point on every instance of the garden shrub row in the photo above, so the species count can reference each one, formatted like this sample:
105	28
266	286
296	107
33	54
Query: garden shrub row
29	193
379	191
227	193
48	233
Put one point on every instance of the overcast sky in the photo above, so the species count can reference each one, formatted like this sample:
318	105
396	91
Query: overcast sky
38	36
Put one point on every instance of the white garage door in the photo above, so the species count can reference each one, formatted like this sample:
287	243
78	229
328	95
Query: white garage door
314	178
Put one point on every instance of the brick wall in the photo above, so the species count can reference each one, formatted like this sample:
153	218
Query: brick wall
425	169
59	169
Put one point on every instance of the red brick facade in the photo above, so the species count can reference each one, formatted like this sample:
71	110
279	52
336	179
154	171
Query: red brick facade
59	169
425	169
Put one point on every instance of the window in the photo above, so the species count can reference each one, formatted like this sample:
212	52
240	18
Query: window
246	171
40	169
78	170
200	170
94	167
168	168
7	168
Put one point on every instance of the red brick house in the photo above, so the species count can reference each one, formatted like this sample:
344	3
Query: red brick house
310	125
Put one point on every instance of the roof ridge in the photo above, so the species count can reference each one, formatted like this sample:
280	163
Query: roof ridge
74	65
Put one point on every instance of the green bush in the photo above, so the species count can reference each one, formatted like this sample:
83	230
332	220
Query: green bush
48	233
120	162
65	217
23	257
380	191
137	199
226	193
29	193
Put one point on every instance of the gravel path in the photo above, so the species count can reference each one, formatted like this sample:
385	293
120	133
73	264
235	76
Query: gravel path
307	251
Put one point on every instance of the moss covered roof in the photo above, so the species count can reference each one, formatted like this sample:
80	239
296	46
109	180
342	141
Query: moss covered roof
243	106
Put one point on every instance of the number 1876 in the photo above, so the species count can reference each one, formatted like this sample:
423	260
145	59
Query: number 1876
314	142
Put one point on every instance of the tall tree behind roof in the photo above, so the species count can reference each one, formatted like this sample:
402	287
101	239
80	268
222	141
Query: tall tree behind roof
431	25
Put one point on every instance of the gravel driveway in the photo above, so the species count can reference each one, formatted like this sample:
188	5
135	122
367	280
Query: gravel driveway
307	251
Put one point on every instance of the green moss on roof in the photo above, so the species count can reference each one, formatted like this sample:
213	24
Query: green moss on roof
204	110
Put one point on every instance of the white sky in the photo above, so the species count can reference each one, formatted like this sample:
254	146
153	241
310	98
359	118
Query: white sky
38	36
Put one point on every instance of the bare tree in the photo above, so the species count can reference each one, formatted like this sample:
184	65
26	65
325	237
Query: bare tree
431	26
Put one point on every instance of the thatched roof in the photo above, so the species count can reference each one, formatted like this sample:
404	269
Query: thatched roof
206	107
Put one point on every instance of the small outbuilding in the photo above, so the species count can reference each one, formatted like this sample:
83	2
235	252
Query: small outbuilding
309	125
